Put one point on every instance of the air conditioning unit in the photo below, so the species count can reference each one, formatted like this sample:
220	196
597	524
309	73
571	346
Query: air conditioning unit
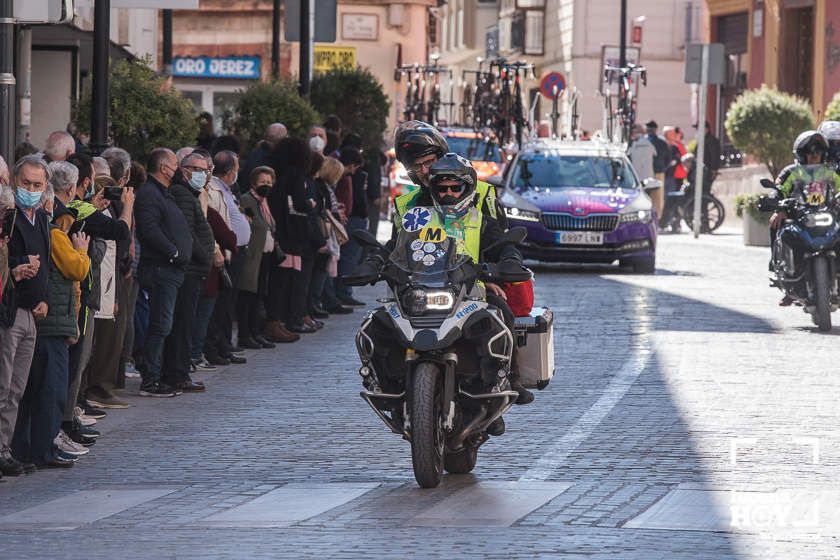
43	11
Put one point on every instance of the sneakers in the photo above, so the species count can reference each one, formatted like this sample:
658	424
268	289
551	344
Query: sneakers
106	401
131	371
156	389
202	363
83	418
218	361
92	411
234	359
62	460
69	446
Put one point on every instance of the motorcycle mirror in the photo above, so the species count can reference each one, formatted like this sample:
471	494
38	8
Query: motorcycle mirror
768	184
365	238
515	235
496	181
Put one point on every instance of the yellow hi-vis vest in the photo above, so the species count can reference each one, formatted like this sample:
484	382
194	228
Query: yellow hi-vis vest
466	230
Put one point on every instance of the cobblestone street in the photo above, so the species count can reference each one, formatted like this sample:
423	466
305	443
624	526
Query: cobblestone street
690	417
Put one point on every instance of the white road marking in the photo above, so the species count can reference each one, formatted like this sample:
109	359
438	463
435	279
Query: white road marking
586	424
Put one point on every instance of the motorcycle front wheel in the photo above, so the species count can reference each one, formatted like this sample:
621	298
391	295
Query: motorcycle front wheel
822	294
427	435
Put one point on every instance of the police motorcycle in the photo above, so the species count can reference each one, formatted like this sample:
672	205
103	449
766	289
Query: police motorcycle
804	252
436	358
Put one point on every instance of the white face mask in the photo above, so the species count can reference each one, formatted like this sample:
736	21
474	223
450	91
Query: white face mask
317	144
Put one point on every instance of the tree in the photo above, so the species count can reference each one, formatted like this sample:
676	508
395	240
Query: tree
832	112
764	123
357	97
264	103
143	112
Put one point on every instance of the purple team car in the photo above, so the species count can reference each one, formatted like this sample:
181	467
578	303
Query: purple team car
581	202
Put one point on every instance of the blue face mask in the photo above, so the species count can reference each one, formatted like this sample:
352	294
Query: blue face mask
197	180
27	199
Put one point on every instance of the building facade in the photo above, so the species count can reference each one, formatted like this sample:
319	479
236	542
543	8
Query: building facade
575	38
791	45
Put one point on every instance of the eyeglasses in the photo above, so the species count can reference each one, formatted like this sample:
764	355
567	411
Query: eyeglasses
417	166
454	189
194	168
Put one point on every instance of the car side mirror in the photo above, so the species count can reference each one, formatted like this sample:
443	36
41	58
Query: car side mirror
651	184
365	238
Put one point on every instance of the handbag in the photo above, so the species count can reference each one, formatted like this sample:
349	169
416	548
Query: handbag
340	233
224	279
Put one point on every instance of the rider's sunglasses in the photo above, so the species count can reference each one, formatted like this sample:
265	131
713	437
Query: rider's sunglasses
454	189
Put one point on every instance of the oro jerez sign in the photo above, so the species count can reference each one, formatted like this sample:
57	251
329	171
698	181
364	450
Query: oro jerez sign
227	67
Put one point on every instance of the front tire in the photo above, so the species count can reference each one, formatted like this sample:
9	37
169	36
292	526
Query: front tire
427	438
822	295
461	462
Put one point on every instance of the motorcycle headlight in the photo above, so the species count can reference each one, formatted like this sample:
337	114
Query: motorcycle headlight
520	214
417	301
819	219
638	216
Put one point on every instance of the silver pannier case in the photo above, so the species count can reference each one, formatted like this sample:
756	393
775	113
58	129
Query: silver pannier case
535	348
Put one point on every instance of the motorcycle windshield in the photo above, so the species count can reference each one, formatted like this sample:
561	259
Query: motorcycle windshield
428	244
814	185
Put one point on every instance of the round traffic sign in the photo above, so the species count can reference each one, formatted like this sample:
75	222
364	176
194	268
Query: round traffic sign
550	80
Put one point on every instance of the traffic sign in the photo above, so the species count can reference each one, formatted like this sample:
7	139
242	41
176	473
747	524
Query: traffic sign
550	80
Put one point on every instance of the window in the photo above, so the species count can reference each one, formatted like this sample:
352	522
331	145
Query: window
551	170
534	25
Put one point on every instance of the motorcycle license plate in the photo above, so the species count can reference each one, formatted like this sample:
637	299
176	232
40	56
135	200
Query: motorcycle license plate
580	238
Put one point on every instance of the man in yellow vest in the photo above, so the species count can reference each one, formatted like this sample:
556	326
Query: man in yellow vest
451	186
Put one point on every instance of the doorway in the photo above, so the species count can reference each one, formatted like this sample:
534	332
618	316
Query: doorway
796	60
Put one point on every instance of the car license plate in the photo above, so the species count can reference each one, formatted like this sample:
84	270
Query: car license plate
580	237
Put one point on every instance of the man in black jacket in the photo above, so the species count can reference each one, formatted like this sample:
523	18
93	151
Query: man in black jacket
193	175
166	246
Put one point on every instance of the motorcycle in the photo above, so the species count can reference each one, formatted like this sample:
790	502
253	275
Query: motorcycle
804	250
435	357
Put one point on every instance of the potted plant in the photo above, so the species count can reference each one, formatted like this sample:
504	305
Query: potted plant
756	228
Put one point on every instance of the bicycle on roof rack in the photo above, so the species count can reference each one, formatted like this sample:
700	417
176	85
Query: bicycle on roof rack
625	111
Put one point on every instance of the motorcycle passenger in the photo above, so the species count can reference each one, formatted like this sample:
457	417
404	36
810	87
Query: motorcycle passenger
809	148
831	131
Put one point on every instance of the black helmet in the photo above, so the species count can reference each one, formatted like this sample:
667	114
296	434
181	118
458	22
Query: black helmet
415	139
453	166
809	141
831	131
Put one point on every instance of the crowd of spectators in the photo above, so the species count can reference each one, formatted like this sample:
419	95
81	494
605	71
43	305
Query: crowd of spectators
112	269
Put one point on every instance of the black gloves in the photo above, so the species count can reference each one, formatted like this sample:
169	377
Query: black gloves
367	272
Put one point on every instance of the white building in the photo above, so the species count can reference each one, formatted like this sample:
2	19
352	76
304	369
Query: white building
569	36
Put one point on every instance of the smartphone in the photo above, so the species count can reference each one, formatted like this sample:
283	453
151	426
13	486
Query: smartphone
113	193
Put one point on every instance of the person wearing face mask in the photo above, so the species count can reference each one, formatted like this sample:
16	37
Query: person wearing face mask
166	243
259	256
317	139
187	186
29	252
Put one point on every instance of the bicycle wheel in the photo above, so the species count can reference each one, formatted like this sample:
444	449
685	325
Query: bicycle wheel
712	213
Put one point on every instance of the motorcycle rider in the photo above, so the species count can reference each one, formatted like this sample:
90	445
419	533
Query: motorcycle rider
809	149
831	131
450	181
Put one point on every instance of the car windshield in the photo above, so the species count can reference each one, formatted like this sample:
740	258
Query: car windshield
428	244
477	149
540	170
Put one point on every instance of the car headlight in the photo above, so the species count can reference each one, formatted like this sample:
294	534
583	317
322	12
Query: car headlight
638	216
520	214
820	219
417	301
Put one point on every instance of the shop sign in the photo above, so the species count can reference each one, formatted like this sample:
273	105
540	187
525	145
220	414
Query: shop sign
227	67
327	58
360	27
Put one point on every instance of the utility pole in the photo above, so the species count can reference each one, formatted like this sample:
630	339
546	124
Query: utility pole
101	46
306	21
7	80
622	40
25	90
701	142
275	41
167	43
